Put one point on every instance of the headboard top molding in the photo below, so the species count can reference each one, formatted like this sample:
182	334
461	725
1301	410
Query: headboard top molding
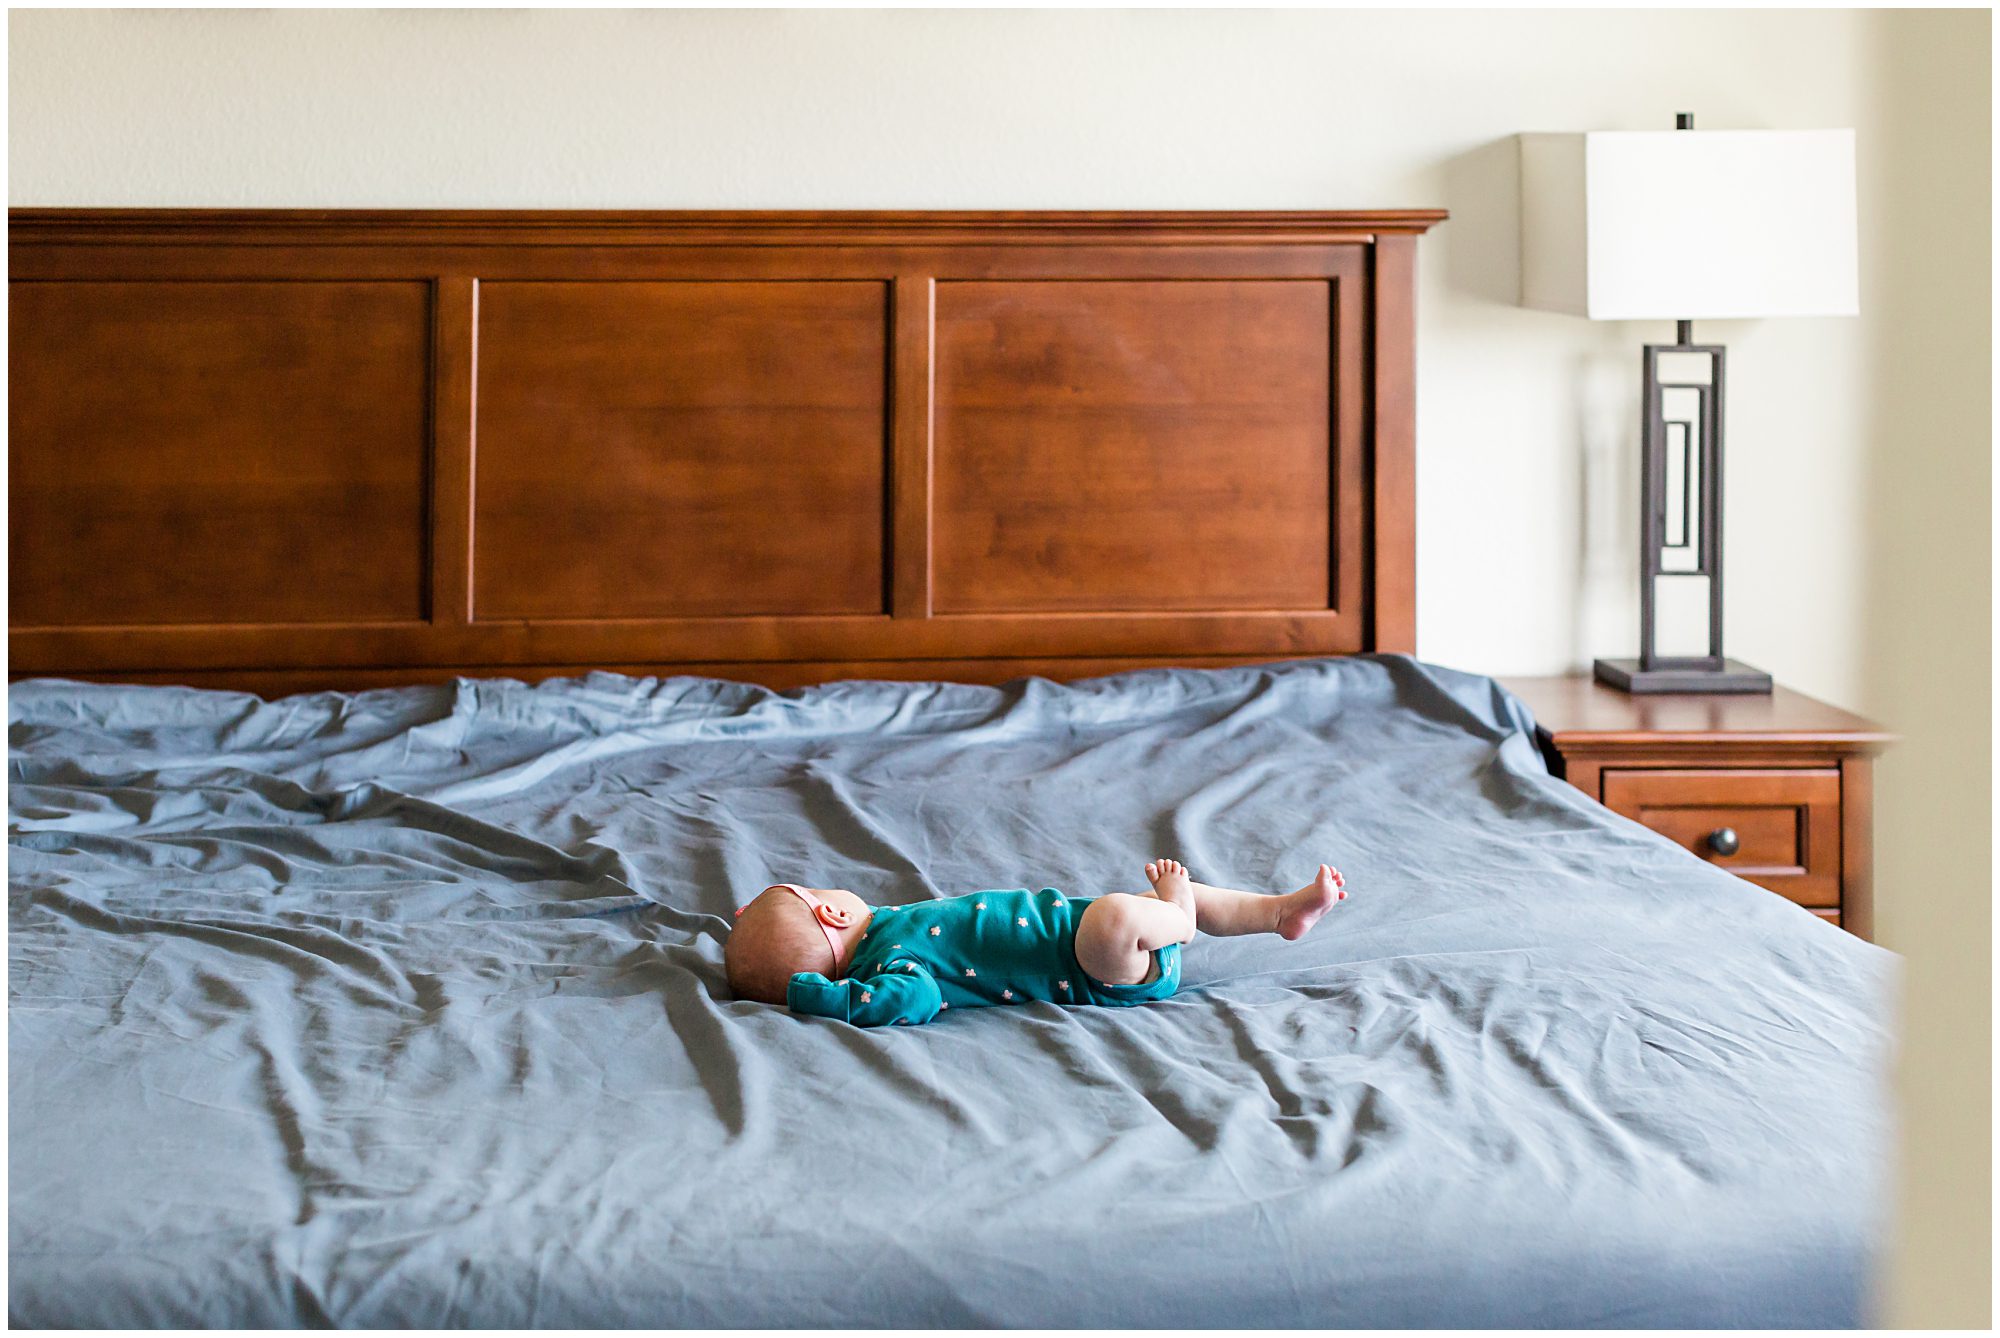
284	449
700	227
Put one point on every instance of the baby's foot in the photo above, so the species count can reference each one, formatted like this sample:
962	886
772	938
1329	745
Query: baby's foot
1310	902
1171	882
1173	874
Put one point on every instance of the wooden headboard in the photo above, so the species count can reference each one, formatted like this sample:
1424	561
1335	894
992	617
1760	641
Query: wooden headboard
286	449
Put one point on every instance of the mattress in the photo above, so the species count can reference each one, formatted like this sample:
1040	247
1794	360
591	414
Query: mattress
406	1008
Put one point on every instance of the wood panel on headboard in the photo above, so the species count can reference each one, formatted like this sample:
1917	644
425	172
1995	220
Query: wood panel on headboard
289	449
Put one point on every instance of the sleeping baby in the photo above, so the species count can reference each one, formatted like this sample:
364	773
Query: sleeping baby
826	951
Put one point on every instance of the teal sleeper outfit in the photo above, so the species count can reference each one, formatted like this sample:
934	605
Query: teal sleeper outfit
983	948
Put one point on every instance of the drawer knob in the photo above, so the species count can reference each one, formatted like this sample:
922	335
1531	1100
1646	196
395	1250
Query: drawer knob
1724	841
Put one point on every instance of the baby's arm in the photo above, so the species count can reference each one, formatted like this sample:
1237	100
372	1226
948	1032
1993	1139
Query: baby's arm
904	993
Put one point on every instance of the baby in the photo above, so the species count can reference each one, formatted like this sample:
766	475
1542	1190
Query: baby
828	952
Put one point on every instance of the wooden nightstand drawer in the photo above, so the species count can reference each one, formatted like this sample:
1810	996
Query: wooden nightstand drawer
1789	776
1785	822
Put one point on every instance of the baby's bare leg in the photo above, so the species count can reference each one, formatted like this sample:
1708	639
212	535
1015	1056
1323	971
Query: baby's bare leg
1228	912
1118	934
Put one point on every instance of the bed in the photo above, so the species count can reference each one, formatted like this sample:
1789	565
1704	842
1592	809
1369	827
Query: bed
618	585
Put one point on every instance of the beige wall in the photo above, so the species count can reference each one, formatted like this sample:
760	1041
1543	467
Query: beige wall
1858	512
1928	660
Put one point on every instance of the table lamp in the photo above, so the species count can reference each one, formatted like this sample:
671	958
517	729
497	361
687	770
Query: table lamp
1684	225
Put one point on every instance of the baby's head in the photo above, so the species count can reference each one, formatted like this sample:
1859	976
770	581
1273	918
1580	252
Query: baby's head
786	930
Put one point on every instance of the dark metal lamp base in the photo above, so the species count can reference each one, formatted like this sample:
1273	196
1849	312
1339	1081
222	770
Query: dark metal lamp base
1692	675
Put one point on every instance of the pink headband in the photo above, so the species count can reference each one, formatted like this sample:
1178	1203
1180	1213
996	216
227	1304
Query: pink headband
828	918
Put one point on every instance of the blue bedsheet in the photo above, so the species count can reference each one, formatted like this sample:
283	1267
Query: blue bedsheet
406	1008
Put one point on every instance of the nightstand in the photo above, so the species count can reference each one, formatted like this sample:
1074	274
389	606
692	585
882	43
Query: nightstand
1775	789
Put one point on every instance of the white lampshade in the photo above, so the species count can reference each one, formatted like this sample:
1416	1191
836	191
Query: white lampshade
1689	224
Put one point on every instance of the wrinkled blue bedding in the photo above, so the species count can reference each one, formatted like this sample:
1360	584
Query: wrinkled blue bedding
406	1008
